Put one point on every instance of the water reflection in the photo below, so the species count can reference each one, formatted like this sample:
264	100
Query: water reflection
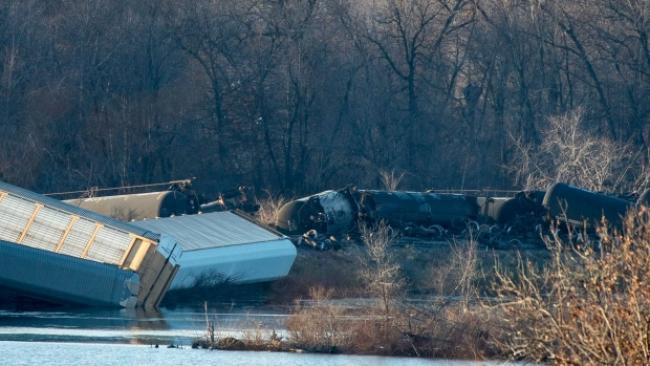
100	337
20	353
178	326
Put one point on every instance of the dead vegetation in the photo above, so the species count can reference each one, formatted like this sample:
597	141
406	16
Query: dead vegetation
390	179
269	208
588	306
320	326
253	339
569	152
391	324
585	304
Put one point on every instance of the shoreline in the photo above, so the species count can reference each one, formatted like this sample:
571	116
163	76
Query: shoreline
137	354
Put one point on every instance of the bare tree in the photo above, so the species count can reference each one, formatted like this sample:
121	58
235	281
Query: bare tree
407	33
381	271
570	154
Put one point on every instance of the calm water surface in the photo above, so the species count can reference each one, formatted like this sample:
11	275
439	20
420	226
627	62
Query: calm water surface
21	353
178	326
121	337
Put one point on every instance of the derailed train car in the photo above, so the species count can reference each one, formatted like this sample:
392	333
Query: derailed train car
579	206
335	212
327	212
58	252
419	208
429	214
225	247
220	243
179	199
140	206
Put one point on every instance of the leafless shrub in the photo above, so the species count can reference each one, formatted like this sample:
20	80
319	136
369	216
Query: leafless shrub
210	325
588	306
380	271
391	325
466	261
642	181
269	210
454	325
319	326
458	274
378	327
254	338
391	179
569	153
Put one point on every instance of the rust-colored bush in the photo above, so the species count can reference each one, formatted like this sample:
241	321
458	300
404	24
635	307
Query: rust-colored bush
588	306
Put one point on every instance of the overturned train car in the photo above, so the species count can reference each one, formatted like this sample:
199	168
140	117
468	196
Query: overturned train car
579	206
61	253
219	246
334	212
225	247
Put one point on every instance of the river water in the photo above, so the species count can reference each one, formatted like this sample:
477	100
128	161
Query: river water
177	326
121	337
40	353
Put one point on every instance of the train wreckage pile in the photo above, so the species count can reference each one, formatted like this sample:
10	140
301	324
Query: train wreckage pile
499	222
324	220
83	250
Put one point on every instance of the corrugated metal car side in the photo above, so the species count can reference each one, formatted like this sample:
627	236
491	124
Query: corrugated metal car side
30	220
65	278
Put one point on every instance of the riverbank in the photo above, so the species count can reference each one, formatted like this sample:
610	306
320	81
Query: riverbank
428	268
451	331
89	354
471	303
584	300
385	296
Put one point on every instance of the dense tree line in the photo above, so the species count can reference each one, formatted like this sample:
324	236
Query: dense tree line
301	95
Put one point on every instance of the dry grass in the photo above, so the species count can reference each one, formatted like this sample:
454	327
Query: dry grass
254	338
588	306
320	326
326	326
454	325
391	179
391	325
267	214
441	330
